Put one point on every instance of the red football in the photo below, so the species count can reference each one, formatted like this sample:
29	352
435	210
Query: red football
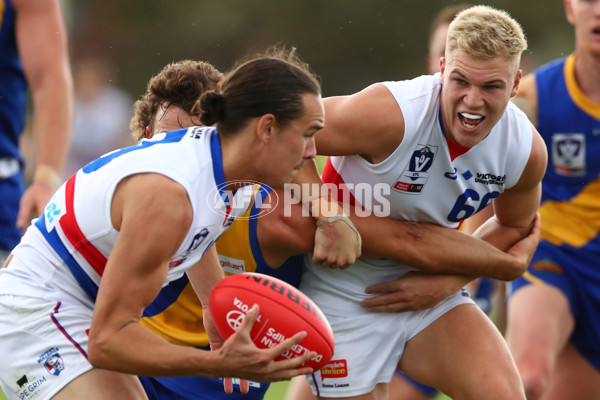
284	311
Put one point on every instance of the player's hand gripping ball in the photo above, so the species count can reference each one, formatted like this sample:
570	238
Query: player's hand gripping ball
284	311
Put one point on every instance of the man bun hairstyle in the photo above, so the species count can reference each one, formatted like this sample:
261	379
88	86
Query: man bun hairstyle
211	108
270	83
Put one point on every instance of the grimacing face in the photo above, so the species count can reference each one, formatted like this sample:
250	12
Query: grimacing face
293	144
475	94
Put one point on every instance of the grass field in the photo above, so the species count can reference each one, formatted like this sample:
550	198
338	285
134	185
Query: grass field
277	391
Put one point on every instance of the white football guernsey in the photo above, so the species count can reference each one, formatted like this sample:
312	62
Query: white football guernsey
425	179
76	233
52	281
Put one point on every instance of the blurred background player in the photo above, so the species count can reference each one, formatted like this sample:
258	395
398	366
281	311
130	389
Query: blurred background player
102	113
553	321
263	239
34	58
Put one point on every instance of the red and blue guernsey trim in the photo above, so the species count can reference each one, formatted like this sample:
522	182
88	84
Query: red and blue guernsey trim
73	233
77	239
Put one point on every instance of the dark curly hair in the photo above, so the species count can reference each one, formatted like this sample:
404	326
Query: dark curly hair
180	84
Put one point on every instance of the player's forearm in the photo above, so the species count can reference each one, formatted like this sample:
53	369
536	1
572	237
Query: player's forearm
52	121
135	350
205	274
435	249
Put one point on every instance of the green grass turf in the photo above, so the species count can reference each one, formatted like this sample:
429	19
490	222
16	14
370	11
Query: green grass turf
277	391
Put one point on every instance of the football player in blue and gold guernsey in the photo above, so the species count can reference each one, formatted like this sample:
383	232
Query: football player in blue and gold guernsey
33	58
553	319
273	242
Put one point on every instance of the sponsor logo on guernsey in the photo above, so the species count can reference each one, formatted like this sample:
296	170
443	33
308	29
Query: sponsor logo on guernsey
490	179
547	265
416	173
335	369
196	132
232	265
452	175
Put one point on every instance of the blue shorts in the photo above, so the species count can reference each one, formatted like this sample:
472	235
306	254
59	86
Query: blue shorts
427	391
483	296
198	388
12	189
576	273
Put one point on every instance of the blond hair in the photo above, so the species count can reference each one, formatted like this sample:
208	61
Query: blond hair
485	32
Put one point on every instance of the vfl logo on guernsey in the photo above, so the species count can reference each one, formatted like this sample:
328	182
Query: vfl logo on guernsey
568	154
415	175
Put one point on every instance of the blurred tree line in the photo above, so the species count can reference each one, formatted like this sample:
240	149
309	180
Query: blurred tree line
348	43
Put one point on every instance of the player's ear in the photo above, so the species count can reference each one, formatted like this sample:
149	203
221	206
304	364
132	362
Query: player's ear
442	67
265	127
148	133
516	83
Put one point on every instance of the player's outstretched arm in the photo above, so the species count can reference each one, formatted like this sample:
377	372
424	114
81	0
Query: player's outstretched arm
431	248
420	290
435	249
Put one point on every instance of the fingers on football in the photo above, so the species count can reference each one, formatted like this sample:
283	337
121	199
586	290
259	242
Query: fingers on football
249	320
286	345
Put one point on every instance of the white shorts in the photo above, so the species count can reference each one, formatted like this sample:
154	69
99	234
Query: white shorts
43	345
369	346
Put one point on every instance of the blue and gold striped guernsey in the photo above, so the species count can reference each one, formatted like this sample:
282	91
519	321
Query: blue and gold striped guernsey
568	253
13	95
570	124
